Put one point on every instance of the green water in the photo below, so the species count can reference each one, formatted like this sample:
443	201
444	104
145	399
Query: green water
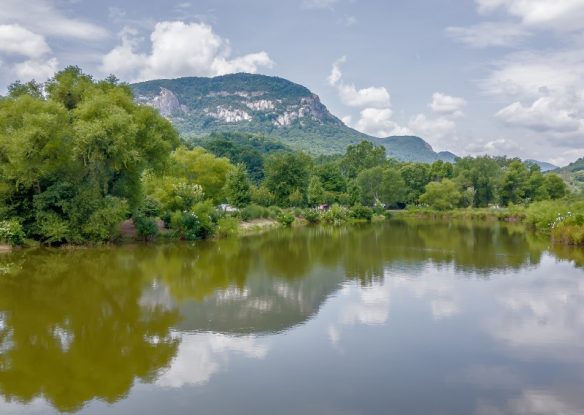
390	318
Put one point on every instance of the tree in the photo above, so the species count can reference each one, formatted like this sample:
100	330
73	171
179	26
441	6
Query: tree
416	177
198	166
362	156
514	184
315	191
555	186
285	173
442	195
393	188
441	170
237	187
72	160
379	185
480	176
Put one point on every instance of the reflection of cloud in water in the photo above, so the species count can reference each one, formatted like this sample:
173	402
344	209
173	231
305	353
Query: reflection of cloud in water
544	316
532	402
201	355
437	286
370	306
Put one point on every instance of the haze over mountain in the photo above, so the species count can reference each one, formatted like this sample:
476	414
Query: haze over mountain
266	105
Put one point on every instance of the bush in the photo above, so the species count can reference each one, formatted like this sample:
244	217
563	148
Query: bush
285	218
254	212
312	216
336	215
361	212
11	232
51	228
146	227
227	227
103	224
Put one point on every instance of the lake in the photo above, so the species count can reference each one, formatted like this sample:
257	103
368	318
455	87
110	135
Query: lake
390	318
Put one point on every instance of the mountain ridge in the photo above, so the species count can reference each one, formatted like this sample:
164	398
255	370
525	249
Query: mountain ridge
267	105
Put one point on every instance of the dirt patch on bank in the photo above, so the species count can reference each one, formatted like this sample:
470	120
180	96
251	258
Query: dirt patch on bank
257	225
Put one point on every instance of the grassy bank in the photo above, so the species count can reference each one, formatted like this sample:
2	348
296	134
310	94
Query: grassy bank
562	220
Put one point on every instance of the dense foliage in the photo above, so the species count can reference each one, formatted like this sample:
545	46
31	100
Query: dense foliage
72	153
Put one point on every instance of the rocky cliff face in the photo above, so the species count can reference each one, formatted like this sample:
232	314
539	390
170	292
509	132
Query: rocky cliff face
166	102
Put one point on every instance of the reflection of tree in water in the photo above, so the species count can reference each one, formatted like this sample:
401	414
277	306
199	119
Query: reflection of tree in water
73	329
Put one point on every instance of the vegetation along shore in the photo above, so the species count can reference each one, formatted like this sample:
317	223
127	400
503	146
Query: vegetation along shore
79	157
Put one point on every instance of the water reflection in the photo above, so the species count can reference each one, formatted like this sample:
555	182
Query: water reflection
101	325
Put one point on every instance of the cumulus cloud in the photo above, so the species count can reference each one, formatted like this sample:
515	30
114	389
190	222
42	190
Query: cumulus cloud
545	114
546	94
17	40
39	70
489	34
180	49
375	116
432	128
42	16
447	104
374	97
556	14
318	4
378	122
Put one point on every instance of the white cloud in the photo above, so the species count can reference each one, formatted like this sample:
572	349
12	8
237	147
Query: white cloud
556	14
180	49
375	116
318	4
42	16
374	97
39	70
546	94
17	40
377	122
497	147
433	129
489	34
446	104
545	114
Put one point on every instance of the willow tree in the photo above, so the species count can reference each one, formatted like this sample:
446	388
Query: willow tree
71	157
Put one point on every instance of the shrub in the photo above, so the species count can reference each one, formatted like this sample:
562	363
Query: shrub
312	216
227	227
146	227
51	228
285	218
103	224
11	232
254	212
336	215
361	212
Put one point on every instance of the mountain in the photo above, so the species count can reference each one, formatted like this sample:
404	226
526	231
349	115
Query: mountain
265	105
544	166
411	148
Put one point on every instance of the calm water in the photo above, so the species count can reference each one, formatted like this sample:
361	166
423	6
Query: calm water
385	319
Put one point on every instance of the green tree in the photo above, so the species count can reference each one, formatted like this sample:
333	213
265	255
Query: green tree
393	188
442	195
479	176
514	183
370	185
555	186
199	166
76	155
316	193
362	156
237	187
285	173
416	177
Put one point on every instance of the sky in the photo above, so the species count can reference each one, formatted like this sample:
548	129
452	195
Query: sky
499	77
